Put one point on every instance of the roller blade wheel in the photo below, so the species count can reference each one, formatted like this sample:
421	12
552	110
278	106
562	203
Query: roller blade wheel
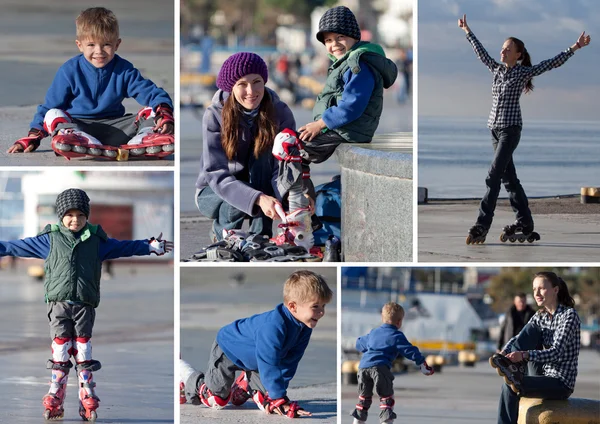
87	416
473	240
507	380
122	155
58	415
533	237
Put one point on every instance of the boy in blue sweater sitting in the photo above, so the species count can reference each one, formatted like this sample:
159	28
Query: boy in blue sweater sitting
266	348
346	111
84	103
379	348
73	251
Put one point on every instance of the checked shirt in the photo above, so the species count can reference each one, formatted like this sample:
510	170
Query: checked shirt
509	83
561	340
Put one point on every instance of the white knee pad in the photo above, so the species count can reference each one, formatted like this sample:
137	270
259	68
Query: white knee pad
286	146
144	113
54	117
83	349
61	349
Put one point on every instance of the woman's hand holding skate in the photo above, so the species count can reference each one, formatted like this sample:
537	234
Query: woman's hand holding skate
28	144
310	131
582	41
515	356
158	246
268	204
462	23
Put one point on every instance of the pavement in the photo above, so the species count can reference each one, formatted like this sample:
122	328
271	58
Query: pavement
460	395
133	339
224	295
569	232
37	38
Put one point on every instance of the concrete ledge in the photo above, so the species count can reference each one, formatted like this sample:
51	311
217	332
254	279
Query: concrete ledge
377	195
570	411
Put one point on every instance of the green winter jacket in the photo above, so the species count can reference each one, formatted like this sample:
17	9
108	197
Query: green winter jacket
73	267
385	72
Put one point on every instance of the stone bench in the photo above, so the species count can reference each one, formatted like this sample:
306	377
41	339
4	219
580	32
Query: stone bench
377	199
570	411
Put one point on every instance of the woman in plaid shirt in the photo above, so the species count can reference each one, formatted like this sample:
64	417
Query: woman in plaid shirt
548	344
511	78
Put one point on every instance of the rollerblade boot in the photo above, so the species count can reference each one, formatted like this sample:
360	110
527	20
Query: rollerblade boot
54	400
240	392
296	229
512	372
519	232
88	401
477	234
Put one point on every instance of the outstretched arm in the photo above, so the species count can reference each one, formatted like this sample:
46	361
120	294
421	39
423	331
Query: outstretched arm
113	249
31	247
561	58
480	51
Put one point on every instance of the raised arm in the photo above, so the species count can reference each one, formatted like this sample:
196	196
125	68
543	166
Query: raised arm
561	58
31	247
478	48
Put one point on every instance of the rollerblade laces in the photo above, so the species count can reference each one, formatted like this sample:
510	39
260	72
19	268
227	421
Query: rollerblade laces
71	143
512	372
54	400
150	144
477	234
88	401
519	232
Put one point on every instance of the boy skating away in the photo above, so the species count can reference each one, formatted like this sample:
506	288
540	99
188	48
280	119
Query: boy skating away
83	110
73	251
266	348
379	348
346	111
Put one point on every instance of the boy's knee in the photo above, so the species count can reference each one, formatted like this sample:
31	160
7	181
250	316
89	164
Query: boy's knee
56	117
62	348
82	349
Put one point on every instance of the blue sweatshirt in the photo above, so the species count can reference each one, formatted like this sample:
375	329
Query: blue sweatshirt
87	92
271	343
220	173
39	247
355	98
383	344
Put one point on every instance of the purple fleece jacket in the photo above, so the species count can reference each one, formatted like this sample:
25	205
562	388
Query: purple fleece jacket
222	174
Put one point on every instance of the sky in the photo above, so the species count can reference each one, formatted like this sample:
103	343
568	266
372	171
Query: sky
453	82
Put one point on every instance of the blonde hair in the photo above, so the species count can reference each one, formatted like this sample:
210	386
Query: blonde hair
303	286
97	23
391	313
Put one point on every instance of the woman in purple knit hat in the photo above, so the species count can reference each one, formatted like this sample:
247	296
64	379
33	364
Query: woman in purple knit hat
238	172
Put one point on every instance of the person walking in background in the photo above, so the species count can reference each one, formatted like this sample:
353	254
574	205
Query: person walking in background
515	319
511	78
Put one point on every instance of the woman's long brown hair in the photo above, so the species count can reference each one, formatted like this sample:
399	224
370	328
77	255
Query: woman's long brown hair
231	131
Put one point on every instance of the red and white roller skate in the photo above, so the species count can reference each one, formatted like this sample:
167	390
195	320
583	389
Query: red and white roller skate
71	143
150	142
88	401
53	402
296	229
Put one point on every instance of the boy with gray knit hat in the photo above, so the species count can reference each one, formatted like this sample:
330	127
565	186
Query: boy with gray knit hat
73	251
349	107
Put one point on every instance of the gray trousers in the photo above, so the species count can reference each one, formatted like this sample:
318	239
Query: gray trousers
219	377
110	131
381	380
70	320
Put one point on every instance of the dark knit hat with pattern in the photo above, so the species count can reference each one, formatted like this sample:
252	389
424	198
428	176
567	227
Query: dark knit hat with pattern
239	65
72	198
340	20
